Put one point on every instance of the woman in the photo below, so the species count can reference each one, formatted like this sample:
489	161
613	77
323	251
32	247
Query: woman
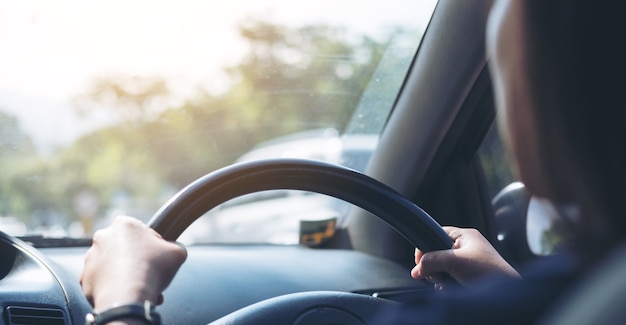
558	75
557	69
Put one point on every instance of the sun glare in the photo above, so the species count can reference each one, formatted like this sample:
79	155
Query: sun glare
51	50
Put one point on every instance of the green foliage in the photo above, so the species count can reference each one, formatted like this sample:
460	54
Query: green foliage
290	80
15	146
133	97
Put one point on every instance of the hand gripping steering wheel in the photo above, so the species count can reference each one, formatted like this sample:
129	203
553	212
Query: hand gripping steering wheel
315	176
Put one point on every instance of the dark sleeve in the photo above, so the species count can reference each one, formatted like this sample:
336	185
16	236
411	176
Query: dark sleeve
495	301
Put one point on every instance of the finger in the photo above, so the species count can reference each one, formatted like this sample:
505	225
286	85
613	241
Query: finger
434	262
129	222
181	245
156	233
178	252
418	255
453	232
415	274
457	235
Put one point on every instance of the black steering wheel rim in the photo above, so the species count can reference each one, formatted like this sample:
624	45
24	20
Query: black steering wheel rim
346	184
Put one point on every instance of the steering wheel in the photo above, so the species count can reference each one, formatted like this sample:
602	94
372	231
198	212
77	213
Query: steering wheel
346	184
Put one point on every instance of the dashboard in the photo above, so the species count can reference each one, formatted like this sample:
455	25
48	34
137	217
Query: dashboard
41	286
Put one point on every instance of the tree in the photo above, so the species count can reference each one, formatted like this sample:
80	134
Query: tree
133	98
307	77
13	140
15	146
292	79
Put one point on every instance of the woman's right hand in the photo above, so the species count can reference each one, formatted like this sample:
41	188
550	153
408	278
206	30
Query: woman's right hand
471	257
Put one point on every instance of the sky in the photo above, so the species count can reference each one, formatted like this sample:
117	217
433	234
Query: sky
50	50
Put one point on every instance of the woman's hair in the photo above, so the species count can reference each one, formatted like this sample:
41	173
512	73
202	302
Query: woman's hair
577	74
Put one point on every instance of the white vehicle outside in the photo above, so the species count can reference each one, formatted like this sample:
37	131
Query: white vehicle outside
246	218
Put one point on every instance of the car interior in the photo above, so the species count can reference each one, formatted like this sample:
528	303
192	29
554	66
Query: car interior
430	161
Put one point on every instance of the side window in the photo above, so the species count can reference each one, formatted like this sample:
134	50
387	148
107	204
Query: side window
541	228
496	164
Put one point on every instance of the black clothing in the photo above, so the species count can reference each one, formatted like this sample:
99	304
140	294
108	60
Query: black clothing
495	301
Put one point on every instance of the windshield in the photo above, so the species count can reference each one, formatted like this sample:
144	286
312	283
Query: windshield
111	107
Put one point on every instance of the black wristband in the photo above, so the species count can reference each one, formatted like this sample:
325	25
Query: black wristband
144	312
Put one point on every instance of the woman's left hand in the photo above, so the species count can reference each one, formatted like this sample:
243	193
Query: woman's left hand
129	262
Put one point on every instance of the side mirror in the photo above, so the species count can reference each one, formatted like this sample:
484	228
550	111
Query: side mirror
546	226
527	227
511	210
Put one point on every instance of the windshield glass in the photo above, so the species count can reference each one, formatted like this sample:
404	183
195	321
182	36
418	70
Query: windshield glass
111	107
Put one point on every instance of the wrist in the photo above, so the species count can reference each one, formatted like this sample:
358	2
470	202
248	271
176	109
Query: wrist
129	314
113	297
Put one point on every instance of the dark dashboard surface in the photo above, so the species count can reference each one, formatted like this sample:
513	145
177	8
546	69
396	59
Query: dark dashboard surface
214	281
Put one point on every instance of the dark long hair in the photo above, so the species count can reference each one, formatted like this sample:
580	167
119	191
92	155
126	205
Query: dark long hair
577	60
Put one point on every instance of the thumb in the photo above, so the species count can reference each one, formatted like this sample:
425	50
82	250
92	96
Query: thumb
432	263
